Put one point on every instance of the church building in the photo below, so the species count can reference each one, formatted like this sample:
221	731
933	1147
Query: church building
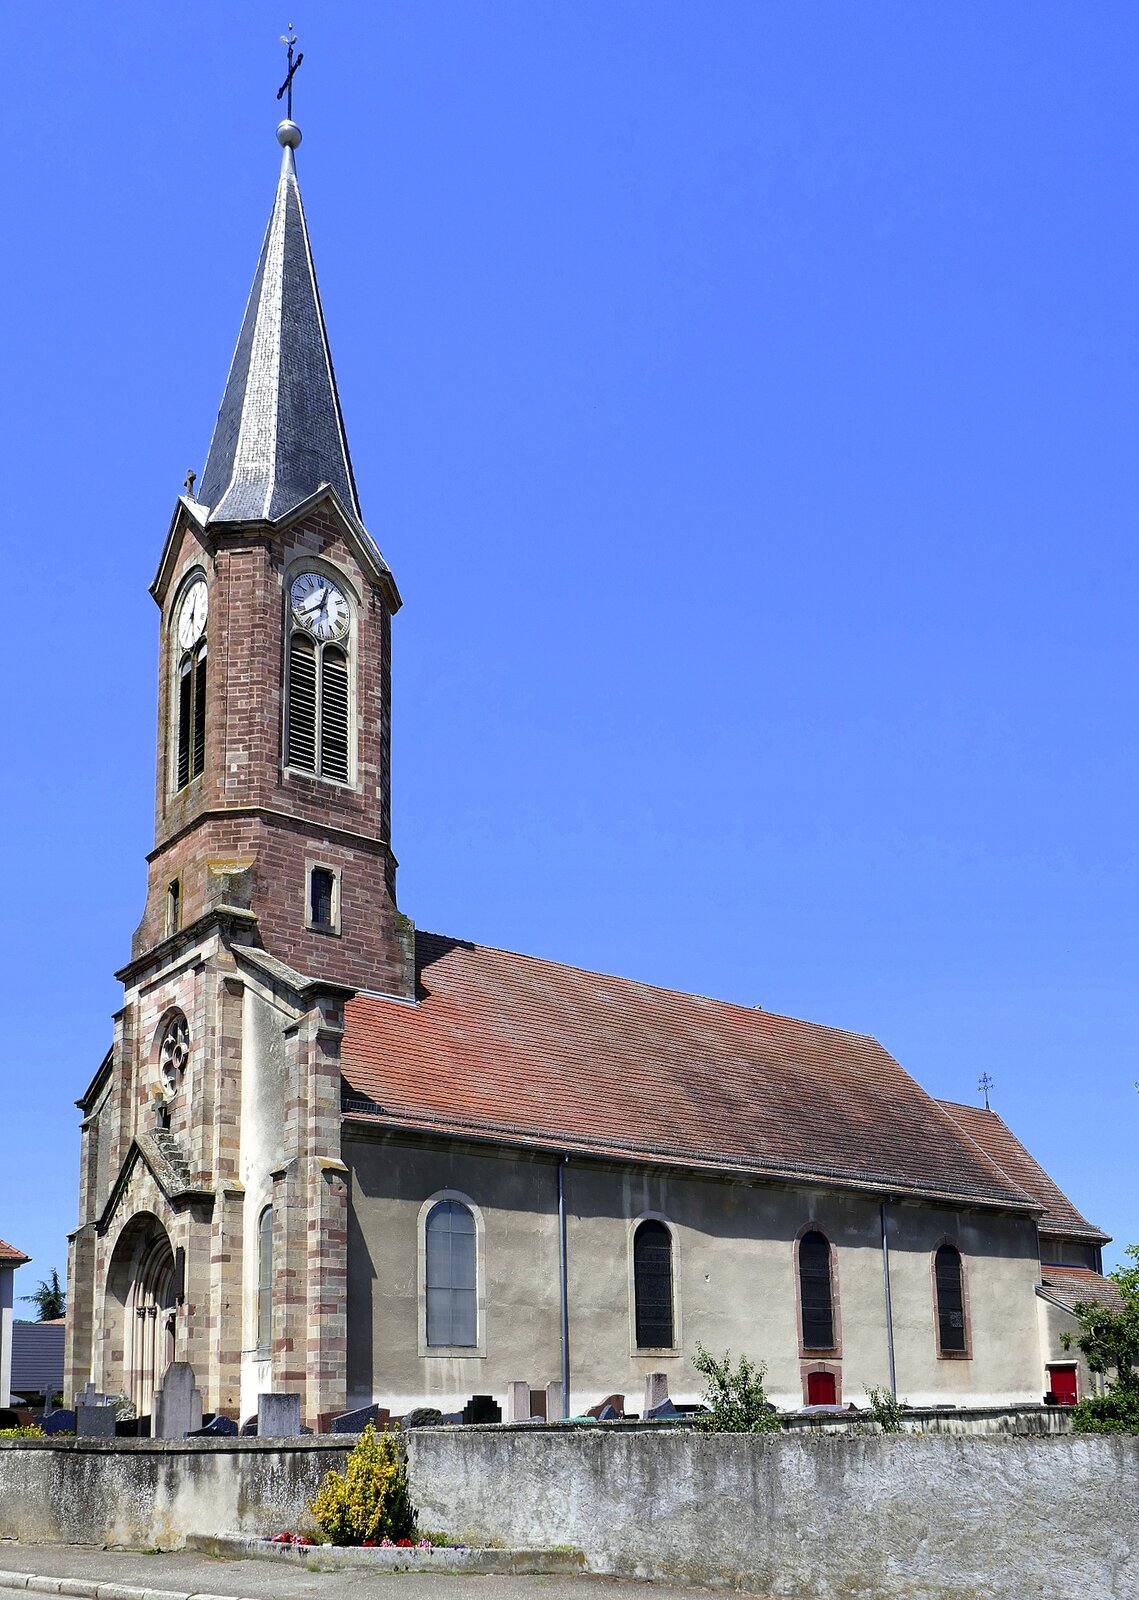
333	1155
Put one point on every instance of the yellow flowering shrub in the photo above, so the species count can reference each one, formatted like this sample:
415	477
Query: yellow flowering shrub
369	1500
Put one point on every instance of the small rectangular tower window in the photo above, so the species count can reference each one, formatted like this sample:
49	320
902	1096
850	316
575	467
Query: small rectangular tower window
322	898
173	906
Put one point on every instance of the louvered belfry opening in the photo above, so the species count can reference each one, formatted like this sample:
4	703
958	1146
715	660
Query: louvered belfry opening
815	1296
950	1301
652	1286
334	714
317	735
302	703
191	744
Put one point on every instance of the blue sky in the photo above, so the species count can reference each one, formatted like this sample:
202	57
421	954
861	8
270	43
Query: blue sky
745	397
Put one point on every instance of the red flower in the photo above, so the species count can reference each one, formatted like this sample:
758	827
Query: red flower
403	1544
368	1544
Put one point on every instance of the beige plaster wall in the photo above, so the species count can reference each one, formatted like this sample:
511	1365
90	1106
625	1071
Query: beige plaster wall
734	1282
1054	1321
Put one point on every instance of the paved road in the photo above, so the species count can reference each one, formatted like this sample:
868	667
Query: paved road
184	1573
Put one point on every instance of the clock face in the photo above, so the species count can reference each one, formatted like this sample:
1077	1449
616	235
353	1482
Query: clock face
192	614
319	607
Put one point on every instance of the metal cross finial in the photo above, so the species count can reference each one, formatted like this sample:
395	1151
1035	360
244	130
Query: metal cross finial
985	1083
289	39
191	480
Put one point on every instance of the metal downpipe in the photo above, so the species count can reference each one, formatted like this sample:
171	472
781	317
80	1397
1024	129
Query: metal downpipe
563	1278
889	1308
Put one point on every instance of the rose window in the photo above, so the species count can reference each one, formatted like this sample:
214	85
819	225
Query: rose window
174	1052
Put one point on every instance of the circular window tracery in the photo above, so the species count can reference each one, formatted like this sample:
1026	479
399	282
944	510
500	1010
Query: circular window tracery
174	1053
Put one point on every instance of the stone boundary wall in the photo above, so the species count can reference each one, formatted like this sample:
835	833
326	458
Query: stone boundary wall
824	1516
157	1492
804	1514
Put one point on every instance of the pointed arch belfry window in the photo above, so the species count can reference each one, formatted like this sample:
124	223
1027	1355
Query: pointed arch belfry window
318	721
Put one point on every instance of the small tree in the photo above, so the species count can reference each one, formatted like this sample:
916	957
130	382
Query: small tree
370	1499
50	1298
735	1398
1109	1342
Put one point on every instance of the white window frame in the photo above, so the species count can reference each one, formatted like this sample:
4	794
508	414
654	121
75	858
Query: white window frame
476	1351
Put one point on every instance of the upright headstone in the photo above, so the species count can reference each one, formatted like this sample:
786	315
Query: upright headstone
656	1390
482	1408
357	1421
61	1421
278	1416
177	1405
517	1402
555	1403
95	1422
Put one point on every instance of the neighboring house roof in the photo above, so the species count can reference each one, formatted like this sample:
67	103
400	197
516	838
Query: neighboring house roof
1060	1216
528	1052
1068	1286
8	1252
37	1356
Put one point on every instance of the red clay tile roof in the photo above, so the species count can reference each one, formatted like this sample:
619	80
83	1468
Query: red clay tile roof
1070	1285
527	1052
9	1252
1060	1215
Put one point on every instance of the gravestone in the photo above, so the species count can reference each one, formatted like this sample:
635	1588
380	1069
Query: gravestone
132	1428
656	1390
555	1403
177	1405
517	1402
537	1405
482	1408
216	1428
356	1421
278	1416
613	1403
61	1421
95	1422
665	1409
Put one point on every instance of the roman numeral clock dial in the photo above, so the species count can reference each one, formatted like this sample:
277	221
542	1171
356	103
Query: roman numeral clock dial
192	614
319	607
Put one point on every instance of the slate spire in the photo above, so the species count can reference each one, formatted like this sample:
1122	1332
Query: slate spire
279	433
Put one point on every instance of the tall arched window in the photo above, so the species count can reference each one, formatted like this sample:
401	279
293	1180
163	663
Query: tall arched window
190	684
452	1268
318	700
816	1299
949	1281
652	1286
265	1281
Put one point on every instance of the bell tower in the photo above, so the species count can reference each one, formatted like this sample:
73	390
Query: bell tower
273	773
213	1197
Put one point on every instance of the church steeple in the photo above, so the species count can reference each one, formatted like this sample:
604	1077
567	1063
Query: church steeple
279	433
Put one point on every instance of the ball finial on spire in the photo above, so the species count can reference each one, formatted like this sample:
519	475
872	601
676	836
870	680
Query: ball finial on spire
288	133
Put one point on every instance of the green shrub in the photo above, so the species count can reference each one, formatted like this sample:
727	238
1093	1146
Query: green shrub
34	1431
1115	1412
735	1398
370	1499
887	1409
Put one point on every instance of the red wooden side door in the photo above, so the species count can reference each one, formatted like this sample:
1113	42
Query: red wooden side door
1062	1382
821	1389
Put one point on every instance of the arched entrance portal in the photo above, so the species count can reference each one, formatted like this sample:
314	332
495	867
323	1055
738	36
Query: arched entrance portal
140	1312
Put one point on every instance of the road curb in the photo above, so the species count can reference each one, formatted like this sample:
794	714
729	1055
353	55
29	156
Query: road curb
33	1583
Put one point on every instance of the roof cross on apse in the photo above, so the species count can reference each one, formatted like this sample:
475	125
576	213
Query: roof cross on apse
289	39
985	1083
